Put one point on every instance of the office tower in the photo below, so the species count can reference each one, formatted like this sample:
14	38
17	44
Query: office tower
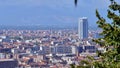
83	28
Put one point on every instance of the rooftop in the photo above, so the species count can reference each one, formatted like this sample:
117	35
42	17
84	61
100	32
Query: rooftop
6	60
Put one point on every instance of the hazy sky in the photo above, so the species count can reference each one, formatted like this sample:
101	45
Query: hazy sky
28	12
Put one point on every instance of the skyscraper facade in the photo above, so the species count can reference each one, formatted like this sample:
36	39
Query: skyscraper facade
83	28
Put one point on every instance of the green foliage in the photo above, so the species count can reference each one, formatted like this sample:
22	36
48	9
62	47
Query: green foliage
110	40
72	66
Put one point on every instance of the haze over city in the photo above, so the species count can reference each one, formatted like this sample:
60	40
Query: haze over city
49	12
59	34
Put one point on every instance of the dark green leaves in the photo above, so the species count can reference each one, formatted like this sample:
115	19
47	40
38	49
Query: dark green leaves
111	36
110	40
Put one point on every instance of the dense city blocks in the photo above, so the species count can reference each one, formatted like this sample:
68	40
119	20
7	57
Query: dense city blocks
46	48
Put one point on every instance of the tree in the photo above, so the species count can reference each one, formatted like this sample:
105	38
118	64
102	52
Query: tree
110	40
111	36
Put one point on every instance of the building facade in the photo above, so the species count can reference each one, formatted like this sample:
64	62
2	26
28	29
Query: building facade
8	63
83	28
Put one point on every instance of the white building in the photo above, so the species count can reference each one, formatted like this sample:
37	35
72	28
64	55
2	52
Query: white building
83	28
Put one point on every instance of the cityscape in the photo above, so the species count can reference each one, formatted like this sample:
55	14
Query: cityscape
48	48
59	34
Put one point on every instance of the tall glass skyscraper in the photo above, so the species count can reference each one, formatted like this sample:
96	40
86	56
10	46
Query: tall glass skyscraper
83	28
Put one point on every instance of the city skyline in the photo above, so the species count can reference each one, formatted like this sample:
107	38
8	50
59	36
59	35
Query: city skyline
59	34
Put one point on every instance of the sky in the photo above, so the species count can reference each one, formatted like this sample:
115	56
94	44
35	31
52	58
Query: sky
50	12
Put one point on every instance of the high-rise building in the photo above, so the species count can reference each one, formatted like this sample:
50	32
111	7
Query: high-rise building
83	28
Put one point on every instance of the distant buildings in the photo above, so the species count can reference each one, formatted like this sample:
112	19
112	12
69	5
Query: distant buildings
83	28
59	50
87	50
47	48
8	63
62	49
